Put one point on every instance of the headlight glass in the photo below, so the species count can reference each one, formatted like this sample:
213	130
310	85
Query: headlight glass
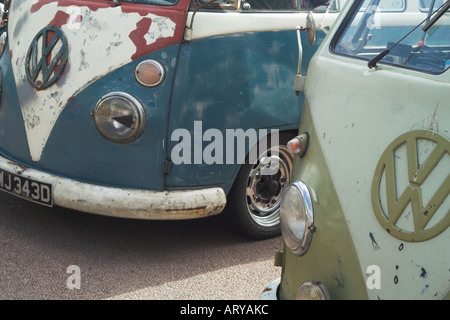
119	117
296	217
150	73
312	290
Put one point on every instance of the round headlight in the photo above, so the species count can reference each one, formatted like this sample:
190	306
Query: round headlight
296	217
3	38
119	117
312	290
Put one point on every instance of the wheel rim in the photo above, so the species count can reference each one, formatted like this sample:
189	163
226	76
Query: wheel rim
266	184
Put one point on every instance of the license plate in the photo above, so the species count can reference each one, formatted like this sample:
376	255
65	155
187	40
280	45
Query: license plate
26	188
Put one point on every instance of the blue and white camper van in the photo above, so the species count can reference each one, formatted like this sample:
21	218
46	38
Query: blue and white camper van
128	108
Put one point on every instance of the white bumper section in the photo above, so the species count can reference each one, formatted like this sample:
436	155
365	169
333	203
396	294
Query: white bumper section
270	291
126	203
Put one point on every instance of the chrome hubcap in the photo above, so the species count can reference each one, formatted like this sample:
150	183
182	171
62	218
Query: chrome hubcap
266	183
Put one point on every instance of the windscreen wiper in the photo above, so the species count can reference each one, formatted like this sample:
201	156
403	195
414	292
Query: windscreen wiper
437	15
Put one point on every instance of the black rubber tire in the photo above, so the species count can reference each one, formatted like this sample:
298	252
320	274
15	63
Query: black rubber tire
237	212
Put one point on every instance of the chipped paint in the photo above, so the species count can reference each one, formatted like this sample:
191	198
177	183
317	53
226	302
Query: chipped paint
374	243
126	203
97	46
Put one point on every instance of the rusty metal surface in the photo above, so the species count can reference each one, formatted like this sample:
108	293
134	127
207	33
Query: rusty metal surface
124	203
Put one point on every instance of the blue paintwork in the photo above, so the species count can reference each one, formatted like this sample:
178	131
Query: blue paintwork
76	150
235	81
13	140
134	165
238	81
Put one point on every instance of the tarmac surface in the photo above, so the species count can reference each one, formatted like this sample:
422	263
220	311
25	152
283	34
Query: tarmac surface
60	254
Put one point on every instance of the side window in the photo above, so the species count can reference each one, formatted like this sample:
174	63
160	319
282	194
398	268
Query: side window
261	5
426	4
271	4
397	38
285	5
218	4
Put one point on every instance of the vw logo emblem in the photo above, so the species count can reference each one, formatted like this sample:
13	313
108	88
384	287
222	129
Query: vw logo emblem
46	58
417	161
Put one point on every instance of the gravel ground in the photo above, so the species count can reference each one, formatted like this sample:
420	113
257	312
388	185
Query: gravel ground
240	282
126	259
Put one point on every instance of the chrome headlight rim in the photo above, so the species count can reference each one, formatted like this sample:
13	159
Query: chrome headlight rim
3	41
156	64
138	117
297	245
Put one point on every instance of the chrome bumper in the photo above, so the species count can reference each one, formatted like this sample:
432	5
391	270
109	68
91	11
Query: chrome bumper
125	203
270	291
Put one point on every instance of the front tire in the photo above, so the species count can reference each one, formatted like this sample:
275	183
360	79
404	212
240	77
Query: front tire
254	200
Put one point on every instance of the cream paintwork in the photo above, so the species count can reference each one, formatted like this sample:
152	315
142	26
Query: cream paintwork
126	203
230	22
104	30
354	127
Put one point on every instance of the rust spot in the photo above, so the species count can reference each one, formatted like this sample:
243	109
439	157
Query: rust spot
23	168
188	209
92	5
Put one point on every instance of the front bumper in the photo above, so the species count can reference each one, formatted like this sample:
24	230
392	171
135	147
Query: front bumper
125	203
270	291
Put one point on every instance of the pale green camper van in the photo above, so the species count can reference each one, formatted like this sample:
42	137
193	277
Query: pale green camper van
367	214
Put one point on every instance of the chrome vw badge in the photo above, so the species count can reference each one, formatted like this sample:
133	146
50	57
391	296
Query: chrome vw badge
46	58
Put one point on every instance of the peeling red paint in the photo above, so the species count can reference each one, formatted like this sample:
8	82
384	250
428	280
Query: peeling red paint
78	19
137	36
142	9
176	13
61	18
92	5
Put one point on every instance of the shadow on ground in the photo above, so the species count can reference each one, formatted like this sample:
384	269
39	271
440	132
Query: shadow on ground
38	244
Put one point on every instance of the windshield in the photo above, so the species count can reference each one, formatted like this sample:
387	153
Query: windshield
395	27
154	2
